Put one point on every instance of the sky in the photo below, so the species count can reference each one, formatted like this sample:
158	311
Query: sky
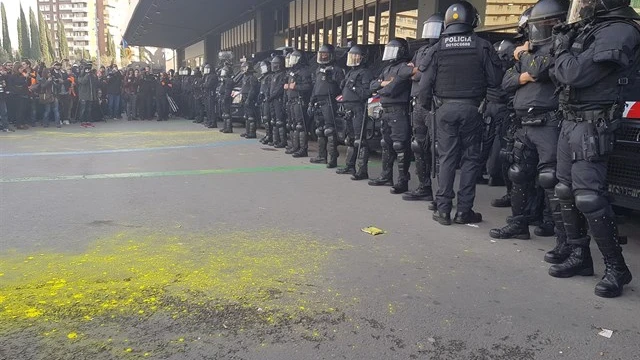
13	13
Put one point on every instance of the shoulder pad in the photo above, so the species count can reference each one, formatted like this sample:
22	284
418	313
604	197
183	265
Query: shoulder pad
615	42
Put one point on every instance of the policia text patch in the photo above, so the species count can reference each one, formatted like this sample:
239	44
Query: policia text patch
451	42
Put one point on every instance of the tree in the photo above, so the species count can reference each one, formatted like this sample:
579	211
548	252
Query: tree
63	45
45	40
36	39
111	46
23	35
6	40
4	56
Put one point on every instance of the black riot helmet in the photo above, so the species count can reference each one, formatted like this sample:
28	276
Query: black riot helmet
225	57
505	49
523	25
356	56
295	58
247	67
197	72
206	69
277	63
187	71
460	18
181	71
396	50
326	54
582	10
265	67
433	27
544	16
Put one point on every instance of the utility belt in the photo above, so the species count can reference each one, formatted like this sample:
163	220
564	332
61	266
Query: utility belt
599	140
394	108
438	101
540	119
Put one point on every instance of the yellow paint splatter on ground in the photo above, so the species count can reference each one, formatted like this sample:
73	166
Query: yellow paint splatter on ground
138	275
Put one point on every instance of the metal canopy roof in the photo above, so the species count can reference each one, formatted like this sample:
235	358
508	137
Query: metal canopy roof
177	23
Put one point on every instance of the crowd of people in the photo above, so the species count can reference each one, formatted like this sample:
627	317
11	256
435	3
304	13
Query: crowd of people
536	113
78	93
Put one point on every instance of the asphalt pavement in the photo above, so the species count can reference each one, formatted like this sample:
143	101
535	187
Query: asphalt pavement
166	240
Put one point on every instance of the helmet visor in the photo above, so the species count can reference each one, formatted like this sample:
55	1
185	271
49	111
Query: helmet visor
323	58
431	30
275	67
390	53
581	10
224	72
522	22
354	59
287	62
294	60
264	68
540	31
206	70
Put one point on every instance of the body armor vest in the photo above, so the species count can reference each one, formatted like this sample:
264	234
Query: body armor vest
460	72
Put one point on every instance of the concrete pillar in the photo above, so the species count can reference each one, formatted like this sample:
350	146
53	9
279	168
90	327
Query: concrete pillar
265	28
211	48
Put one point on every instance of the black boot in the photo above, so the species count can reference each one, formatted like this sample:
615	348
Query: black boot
579	262
605	233
469	217
253	127
362	163
332	149
228	126
442	218
295	143
423	191
386	176
516	229
275	134
246	128
545	230
350	164
560	253
503	202
322	152
402	185
304	144
282	134
432	206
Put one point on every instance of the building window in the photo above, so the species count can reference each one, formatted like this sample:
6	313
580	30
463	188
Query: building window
338	27
383	11
329	29
348	29
407	24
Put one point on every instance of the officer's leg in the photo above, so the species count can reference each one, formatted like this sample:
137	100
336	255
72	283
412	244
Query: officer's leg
388	156
251	119
279	131
291	126
579	261
400	131
275	104
471	164
546	142
590	184
331	133
226	115
266	121
322	140
361	148
506	160
448	152
349	139
421	147
245	111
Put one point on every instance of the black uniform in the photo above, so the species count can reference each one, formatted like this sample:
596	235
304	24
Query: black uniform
593	70
396	124
276	105
210	85
225	87
250	90
421	123
326	87
457	71
199	97
265	110
355	93
536	141
298	98
4	120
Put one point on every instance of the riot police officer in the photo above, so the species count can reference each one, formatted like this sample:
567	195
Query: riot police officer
394	87
210	85
198	96
536	107
298	89
188	91
225	87
249	90
276	101
328	78
421	118
596	56
263	96
355	93
457	71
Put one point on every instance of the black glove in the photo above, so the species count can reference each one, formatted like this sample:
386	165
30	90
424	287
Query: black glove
563	36
310	110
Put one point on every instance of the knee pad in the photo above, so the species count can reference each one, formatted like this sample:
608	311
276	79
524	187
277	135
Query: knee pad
320	131
519	174
564	192
547	178
398	146
383	143
299	127
416	147
590	202
328	132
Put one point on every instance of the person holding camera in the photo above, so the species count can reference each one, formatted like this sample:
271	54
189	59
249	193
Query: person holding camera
4	120
48	93
114	90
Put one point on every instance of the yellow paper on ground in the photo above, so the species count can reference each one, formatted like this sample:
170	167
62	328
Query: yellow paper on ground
373	230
